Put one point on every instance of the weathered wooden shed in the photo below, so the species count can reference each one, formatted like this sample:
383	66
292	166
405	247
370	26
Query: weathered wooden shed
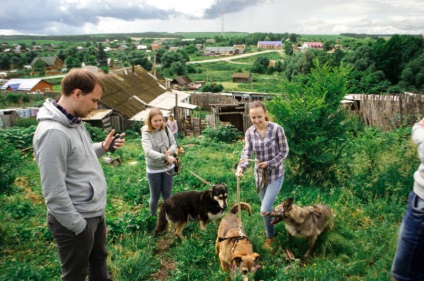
234	114
100	118
242	77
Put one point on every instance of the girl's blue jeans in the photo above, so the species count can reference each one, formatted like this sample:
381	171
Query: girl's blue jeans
408	264
267	196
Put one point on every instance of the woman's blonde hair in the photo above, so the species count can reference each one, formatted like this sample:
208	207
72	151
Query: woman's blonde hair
152	113
170	117
258	103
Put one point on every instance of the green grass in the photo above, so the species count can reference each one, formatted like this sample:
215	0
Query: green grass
360	247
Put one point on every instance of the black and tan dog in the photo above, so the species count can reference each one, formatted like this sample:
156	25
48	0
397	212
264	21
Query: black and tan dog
307	221
233	247
203	206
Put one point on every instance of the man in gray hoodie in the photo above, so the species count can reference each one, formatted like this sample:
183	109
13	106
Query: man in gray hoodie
72	179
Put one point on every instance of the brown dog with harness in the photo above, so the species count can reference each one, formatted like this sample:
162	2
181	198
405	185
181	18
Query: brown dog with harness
233	247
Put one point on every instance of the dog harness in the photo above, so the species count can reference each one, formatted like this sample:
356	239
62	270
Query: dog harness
241	235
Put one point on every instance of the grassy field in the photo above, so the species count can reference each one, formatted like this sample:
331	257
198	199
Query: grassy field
360	247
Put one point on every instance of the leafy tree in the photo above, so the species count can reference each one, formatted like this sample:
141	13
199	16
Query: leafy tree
184	54
159	54
39	66
101	56
173	63
4	61
91	60
367	81
72	62
192	50
177	68
17	62
391	56
278	66
336	58
288	48
314	124
412	77
191	69
260	65
140	58
212	87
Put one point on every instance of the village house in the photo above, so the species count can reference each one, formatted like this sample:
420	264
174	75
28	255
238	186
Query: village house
240	49
277	45
219	51
27	85
181	81
52	62
311	45
155	46
242	77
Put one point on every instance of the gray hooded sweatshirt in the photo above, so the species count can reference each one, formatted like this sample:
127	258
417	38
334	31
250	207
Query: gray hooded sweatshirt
155	144
72	179
418	139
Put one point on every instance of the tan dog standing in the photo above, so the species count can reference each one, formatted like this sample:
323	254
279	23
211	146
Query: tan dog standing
307	221
232	244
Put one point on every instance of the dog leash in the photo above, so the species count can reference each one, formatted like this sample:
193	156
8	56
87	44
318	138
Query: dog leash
238	183
197	176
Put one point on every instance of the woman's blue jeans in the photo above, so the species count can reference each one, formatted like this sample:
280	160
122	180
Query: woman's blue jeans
267	196
408	264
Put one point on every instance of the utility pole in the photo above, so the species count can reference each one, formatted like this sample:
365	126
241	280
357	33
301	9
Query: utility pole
154	65
222	24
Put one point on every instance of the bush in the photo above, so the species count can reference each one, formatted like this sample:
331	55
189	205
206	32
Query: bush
26	122
19	137
225	134
97	134
10	159
13	98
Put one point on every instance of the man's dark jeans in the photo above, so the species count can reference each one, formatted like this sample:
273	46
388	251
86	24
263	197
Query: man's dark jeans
83	254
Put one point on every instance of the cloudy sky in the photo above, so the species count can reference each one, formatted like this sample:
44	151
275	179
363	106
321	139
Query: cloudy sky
67	17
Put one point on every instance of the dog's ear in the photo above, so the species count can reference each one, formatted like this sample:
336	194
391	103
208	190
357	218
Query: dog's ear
236	261
287	203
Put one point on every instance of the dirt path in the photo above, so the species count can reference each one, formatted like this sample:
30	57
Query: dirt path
167	263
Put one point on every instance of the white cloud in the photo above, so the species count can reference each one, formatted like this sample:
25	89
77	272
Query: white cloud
118	16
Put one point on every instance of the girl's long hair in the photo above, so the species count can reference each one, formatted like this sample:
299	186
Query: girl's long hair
153	112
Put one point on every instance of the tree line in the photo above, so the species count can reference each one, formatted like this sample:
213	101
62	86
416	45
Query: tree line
376	65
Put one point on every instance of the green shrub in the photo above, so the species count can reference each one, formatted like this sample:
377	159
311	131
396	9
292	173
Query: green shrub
374	163
26	122
314	124
13	98
225	134
10	160
19	137
97	134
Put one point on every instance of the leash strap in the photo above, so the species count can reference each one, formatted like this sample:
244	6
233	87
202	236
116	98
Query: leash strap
204	181
238	198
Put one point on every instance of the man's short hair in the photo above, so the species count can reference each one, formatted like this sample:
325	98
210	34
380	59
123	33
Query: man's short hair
79	78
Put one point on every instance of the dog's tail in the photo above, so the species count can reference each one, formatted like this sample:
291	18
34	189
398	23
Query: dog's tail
243	205
162	222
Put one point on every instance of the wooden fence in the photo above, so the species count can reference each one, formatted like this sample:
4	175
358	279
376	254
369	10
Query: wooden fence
389	112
